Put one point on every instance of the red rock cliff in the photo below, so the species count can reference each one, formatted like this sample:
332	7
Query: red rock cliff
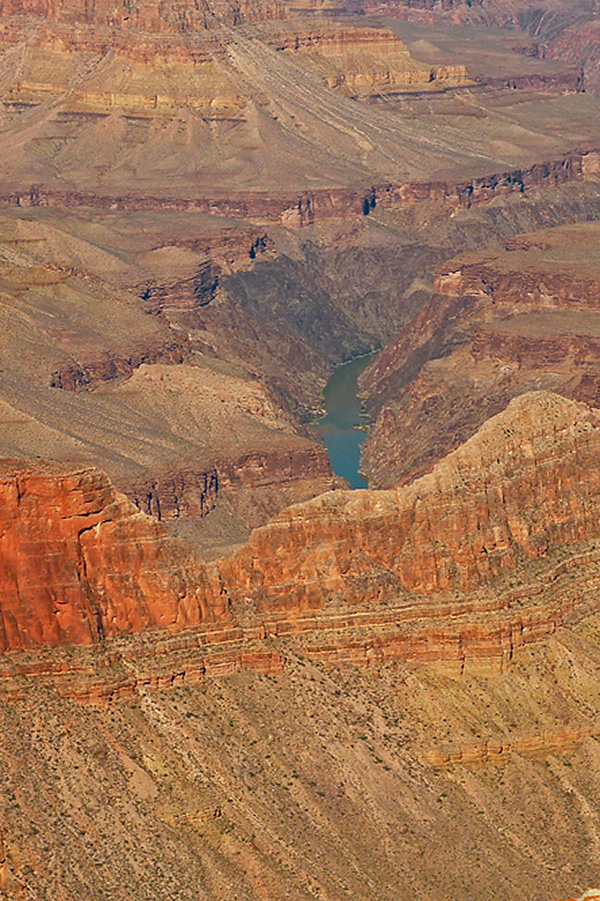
78	561
528	481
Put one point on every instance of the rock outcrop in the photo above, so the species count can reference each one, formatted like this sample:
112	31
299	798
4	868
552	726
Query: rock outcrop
580	43
173	106
78	563
511	492
178	18
90	374
499	752
109	358
562	30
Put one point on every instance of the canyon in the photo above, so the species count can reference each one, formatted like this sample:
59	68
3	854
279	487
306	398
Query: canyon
116	615
223	673
498	325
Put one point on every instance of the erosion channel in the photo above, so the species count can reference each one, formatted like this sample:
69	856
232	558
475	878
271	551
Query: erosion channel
341	425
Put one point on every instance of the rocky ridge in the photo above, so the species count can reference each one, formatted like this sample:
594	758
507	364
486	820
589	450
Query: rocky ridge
171	323
310	207
103	337
405	574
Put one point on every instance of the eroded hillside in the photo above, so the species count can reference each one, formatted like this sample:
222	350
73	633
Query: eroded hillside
244	753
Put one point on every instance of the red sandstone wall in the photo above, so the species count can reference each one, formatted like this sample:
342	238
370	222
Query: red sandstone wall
78	561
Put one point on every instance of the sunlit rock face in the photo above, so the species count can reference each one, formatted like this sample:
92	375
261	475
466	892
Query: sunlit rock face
79	562
525	483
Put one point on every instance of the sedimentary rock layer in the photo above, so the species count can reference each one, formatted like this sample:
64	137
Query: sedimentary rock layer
108	357
499	324
310	207
79	562
363	61
512	491
526	485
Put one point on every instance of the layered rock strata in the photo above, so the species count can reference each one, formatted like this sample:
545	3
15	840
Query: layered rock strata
499	752
493	502
565	31
109	359
408	574
179	493
313	206
182	112
364	61
181	17
80	563
499	324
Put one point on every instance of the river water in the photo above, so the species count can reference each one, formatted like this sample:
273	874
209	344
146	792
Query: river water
340	426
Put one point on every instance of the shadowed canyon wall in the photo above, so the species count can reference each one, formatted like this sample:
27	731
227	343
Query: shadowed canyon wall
499	324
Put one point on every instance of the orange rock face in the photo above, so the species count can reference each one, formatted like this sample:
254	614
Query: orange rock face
512	491
78	562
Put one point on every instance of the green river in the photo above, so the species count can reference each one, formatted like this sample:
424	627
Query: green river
340	427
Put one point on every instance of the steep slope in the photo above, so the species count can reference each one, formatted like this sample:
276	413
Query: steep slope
96	367
206	205
270	769
499	324
80	562
512	491
556	29
512	494
178	106
309	784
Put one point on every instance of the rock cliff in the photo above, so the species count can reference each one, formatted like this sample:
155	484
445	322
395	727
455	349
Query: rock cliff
181	17
364	61
561	30
95	567
113	91
430	199
510	492
117	344
498	324
489	565
80	563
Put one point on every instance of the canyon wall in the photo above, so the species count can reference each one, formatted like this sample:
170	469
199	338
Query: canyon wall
184	492
80	376
498	325
512	491
562	30
433	198
80	563
526	485
363	61
181	17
